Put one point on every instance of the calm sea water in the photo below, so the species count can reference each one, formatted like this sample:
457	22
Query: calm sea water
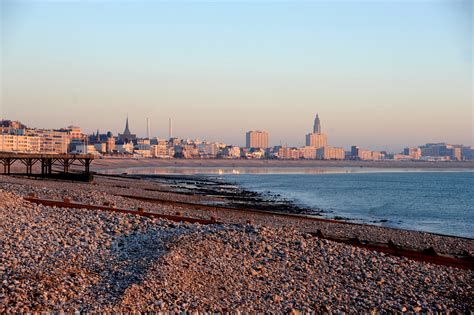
439	202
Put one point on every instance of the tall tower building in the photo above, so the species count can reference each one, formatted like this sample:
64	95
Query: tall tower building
316	139
257	139
317	125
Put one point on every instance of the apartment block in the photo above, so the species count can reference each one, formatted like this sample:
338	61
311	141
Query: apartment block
316	140
329	153
257	139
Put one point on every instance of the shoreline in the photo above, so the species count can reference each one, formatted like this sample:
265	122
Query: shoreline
129	190
104	164
61	259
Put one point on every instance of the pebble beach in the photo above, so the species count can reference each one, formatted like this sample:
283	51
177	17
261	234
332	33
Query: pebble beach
55	259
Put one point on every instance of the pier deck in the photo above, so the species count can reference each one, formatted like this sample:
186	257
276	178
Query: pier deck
63	163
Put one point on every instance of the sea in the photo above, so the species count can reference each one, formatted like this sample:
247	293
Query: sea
437	201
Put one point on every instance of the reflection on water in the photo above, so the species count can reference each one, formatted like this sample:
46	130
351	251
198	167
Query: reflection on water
183	170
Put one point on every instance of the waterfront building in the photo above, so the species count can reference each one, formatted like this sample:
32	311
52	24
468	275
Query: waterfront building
330	153
254	153
162	150
19	143
413	153
316	140
110	145
74	132
257	139
100	147
308	152
467	153
447	151
359	154
86	148
286	153
124	147
208	150
230	152
51	141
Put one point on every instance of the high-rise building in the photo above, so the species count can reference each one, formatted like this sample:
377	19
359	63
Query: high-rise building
317	125
316	138
257	139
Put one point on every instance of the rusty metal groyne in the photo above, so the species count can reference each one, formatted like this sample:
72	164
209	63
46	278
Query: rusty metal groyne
428	255
66	203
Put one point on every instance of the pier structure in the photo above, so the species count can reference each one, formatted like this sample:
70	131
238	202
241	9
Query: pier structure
47	161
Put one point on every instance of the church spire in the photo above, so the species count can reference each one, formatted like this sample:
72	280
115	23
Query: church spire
317	125
126	131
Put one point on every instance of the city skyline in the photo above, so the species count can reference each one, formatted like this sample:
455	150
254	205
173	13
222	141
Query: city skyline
220	70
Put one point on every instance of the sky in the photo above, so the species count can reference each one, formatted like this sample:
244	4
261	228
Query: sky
381	74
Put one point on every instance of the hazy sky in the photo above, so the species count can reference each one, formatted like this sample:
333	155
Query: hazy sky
381	74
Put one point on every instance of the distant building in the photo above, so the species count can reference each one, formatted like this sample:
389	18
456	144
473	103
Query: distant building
124	147
329	153
208	150
413	153
286	153
308	152
317	125
230	152
9	124
358	154
100	147
316	139
254	153
441	150
162	150
110	144
19	143
51	141
257	139
127	136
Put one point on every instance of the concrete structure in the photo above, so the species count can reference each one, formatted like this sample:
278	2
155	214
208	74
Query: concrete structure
100	147
254	153
286	153
51	141
316	140
208	149
413	153
308	152
358	154
19	143
162	150
110	145
231	152
329	153
447	151
124	147
257	139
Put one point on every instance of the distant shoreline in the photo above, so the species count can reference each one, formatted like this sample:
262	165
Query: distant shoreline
108	163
